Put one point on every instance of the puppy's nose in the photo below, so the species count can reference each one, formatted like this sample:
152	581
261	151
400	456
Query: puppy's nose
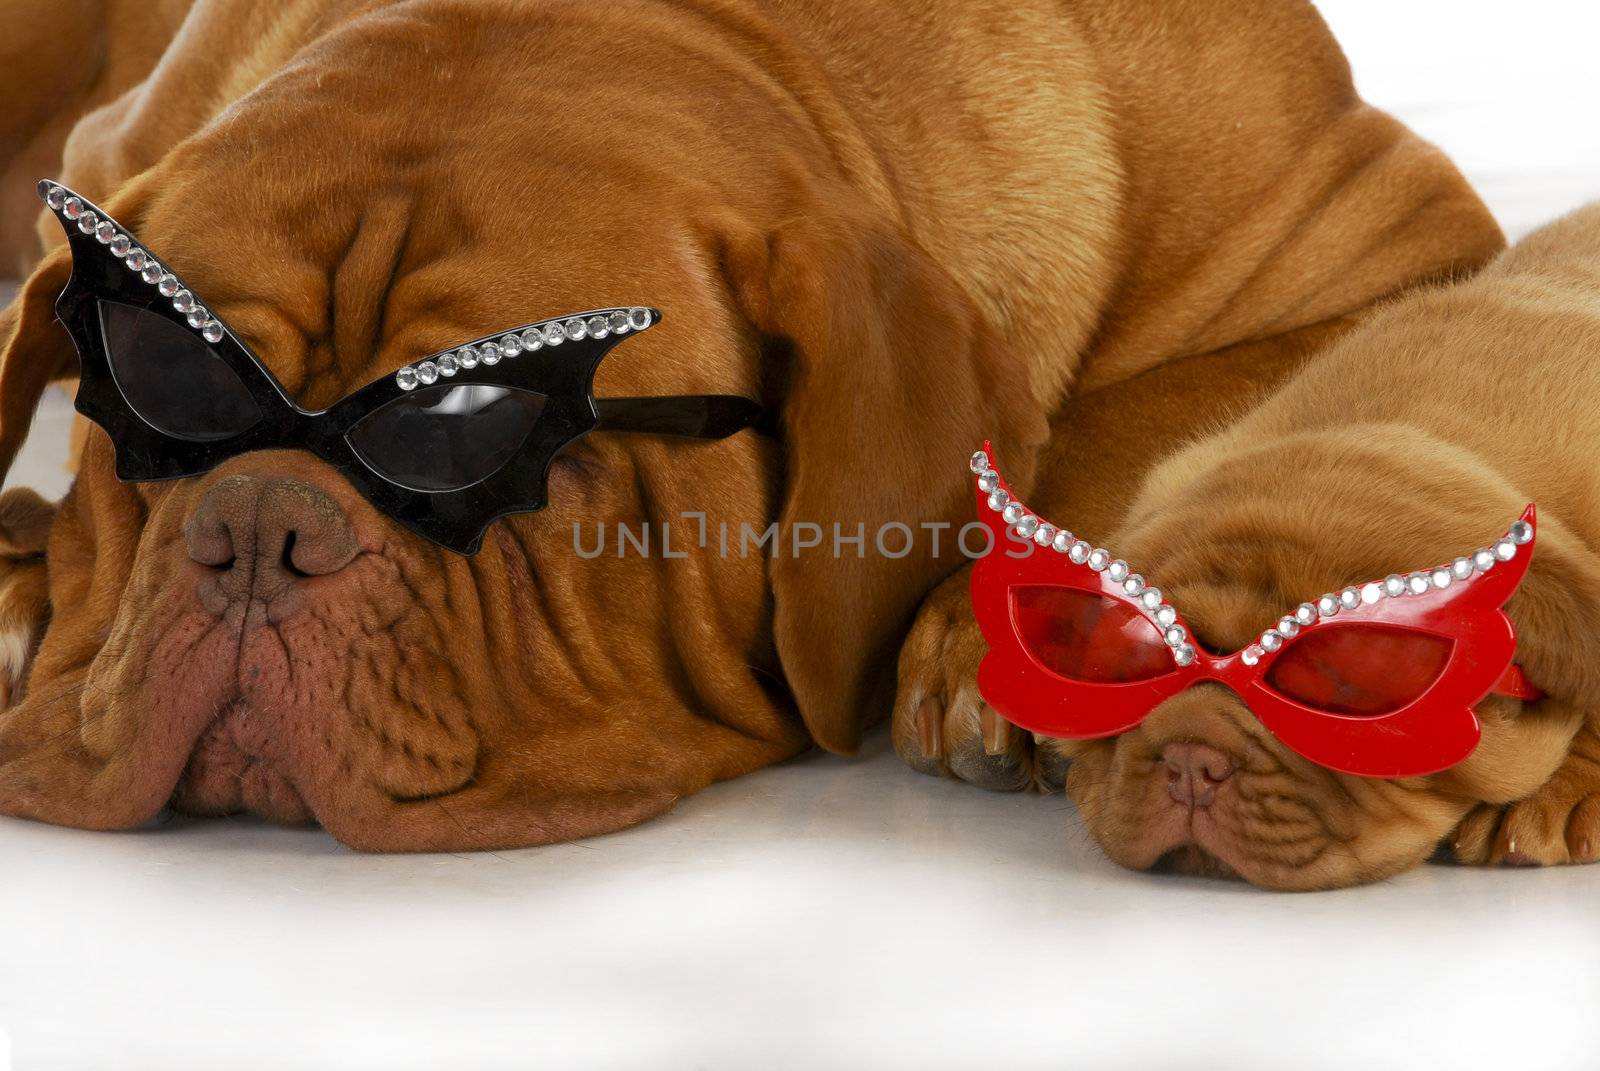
1194	771
263	534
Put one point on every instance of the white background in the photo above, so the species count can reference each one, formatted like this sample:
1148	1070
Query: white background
833	913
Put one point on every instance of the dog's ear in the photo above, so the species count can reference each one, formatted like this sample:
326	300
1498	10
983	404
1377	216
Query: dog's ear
34	351
888	379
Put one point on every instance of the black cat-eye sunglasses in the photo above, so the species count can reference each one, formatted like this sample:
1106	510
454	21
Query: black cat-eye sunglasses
445	445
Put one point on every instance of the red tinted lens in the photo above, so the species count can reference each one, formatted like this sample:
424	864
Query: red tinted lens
1359	669
1088	637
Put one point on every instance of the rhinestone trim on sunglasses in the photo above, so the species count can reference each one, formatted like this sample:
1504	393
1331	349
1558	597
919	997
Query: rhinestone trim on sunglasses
1024	523
527	339
489	350
88	218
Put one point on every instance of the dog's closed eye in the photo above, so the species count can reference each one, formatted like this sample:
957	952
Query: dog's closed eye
577	468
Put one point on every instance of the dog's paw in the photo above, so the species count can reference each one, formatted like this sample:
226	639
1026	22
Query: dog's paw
942	726
1560	823
25	520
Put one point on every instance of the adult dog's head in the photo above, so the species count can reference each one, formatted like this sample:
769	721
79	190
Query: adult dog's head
261	638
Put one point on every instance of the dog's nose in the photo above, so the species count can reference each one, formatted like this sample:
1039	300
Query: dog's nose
1194	771
263	534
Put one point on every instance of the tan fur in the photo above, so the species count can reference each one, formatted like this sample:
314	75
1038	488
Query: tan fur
25	521
1413	439
906	228
64	59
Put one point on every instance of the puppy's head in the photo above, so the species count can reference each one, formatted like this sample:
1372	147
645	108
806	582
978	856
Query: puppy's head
1238	533
261	638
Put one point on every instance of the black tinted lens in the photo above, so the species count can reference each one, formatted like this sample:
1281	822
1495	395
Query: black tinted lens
172	378
443	438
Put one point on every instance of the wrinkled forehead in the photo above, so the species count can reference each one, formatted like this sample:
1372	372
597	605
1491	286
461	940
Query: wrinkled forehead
334	281
342	236
332	290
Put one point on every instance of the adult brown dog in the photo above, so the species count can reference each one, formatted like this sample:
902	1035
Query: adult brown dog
1410	441
905	227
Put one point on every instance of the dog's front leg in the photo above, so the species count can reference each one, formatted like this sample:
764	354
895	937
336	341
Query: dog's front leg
941	723
25	520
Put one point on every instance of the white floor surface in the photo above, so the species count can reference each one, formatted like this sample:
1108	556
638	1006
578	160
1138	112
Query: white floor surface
838	914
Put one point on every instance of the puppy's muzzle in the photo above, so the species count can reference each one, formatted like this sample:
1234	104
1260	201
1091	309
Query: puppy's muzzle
261	537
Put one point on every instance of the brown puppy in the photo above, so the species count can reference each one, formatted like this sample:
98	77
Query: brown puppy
904	229
1412	440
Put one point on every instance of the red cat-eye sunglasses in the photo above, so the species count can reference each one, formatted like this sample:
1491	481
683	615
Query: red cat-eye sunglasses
1377	680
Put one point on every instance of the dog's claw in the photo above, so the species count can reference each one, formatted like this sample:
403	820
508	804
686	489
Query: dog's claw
996	732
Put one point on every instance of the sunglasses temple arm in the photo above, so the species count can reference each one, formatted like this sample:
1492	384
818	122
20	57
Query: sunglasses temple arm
697	416
1515	684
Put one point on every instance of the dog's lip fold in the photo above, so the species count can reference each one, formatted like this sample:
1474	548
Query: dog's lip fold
220	777
482	818
96	774
1209	850
458	785
1170	837
1195	847
1195	861
224	772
